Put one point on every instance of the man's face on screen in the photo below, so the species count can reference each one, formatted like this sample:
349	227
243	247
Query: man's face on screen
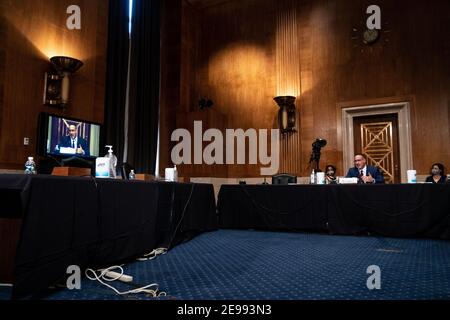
73	131
360	162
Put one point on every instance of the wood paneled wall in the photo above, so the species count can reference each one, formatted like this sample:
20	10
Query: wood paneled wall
31	32
237	66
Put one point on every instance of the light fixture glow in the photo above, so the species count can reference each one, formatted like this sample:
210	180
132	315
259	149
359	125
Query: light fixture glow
56	89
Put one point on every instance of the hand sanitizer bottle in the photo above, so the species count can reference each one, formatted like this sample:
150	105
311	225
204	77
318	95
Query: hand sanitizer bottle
132	175
112	162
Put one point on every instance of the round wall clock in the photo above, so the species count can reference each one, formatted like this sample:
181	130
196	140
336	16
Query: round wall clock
370	36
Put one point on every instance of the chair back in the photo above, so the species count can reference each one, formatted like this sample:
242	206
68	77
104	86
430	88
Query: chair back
284	178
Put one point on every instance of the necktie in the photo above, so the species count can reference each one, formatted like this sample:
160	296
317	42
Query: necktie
73	143
361	173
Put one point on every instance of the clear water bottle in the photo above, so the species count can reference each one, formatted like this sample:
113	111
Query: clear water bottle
175	173
313	177
30	166
132	175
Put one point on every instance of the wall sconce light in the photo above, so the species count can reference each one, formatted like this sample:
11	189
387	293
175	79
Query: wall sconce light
286	114
56	89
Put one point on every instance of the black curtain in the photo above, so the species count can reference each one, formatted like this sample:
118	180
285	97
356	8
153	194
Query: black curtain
116	76
144	86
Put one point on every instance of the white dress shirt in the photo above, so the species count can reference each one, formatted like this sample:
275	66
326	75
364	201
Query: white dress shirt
364	170
73	142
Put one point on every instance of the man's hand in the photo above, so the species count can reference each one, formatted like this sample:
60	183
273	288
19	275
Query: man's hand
368	179
80	150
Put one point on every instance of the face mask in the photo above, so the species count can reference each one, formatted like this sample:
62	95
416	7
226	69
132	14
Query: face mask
435	172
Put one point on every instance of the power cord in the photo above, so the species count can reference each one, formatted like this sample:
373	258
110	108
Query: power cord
105	275
182	215
6	284
153	254
160	251
109	275
93	179
273	215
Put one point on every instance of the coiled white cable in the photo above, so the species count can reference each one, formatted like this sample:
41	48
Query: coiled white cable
153	254
103	276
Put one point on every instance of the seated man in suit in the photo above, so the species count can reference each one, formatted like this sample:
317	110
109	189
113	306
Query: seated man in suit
75	142
365	173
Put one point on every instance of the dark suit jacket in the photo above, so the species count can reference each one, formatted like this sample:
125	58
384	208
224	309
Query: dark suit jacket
376	174
66	143
443	179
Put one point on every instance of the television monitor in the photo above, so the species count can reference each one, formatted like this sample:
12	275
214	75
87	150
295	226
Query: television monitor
67	138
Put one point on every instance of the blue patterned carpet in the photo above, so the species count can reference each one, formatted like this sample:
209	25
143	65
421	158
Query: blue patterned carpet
229	264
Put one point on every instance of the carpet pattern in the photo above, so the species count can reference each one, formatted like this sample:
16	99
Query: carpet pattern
253	265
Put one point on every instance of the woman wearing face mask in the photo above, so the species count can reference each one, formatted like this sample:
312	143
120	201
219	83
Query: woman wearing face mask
330	174
437	174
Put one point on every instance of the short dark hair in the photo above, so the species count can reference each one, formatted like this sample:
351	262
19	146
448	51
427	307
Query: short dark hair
440	166
360	154
330	166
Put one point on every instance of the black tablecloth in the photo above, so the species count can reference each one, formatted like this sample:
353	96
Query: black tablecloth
14	195
419	210
288	207
402	210
177	222
97	222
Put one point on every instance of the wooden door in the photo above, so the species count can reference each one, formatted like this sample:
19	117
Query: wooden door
377	138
